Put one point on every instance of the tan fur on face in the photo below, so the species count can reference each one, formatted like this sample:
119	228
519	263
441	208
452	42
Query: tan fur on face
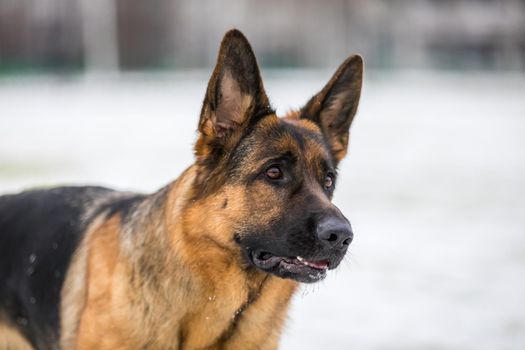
293	117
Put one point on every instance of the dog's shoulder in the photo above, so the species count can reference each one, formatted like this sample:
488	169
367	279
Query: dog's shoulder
39	232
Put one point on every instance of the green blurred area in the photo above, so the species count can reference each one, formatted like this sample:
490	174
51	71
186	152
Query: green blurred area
73	36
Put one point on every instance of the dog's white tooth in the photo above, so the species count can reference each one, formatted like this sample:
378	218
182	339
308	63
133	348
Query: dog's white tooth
300	259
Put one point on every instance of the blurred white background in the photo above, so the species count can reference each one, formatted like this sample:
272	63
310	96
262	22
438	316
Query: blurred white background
434	183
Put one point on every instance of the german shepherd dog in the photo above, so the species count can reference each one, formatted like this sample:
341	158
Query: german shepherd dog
210	261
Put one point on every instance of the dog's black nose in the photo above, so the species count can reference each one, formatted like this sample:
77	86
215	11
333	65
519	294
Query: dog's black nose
335	232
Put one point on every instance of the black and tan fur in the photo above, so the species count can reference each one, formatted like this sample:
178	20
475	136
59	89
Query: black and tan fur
208	262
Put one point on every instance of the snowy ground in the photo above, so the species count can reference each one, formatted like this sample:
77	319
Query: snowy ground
434	187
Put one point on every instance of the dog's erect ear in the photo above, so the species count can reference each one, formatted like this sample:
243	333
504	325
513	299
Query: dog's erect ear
235	96
333	108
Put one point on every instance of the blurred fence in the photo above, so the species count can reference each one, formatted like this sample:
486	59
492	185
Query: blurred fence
74	35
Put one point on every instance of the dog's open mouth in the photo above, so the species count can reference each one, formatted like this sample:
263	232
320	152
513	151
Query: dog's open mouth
298	268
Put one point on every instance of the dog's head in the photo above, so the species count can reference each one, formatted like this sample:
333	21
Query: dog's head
265	183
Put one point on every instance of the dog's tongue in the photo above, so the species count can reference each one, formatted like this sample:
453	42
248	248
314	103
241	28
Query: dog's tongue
320	265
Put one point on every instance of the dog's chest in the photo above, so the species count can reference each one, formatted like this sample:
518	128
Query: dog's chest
214	319
236	317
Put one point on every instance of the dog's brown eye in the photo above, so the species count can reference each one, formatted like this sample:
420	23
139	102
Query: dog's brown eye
274	173
328	181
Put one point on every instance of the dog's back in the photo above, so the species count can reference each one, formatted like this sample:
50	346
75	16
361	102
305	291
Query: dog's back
39	232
